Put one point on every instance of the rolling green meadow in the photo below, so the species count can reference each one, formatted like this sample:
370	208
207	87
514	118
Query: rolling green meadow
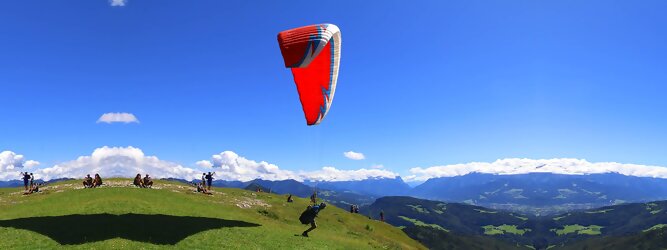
171	215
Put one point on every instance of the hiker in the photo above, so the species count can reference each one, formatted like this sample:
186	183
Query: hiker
97	181
148	182
313	198
356	209
382	215
87	181
351	209
289	198
308	217
26	179
138	182
209	179
203	179
32	179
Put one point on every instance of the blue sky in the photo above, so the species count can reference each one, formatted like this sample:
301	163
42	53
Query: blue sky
421	83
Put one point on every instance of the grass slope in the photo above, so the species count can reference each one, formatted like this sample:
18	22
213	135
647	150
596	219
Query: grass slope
172	216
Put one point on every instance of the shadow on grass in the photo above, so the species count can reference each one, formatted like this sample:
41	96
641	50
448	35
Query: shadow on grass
155	229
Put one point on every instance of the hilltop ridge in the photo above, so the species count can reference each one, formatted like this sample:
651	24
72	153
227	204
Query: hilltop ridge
172	215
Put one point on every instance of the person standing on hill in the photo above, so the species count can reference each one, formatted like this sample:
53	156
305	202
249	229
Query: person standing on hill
382	215
32	179
26	180
209	179
313	198
308	217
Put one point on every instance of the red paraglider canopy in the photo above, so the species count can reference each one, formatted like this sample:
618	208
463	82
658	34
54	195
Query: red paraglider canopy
313	54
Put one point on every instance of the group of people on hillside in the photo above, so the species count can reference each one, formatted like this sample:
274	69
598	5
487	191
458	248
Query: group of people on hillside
205	185
354	209
146	182
89	182
29	184
28	178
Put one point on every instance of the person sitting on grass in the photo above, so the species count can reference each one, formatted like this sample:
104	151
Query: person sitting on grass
97	181
34	188
148	182
138	182
202	189
308	217
289	198
87	181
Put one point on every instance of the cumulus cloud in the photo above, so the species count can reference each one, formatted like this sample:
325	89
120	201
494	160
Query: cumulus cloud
204	164
354	155
128	161
512	166
333	174
230	166
117	117
117	3
12	164
117	162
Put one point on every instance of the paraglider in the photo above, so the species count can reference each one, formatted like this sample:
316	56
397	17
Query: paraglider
313	54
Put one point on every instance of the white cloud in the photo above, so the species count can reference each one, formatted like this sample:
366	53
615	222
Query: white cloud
117	162
230	166
29	164
117	117
128	161
354	155
333	174
524	166
377	166
12	164
204	164
117	2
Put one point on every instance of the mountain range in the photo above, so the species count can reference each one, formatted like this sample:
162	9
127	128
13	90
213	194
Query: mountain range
543	193
533	193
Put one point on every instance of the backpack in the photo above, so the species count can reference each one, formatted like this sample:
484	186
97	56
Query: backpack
308	215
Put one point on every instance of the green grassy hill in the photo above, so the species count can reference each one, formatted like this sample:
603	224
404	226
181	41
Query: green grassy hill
171	215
